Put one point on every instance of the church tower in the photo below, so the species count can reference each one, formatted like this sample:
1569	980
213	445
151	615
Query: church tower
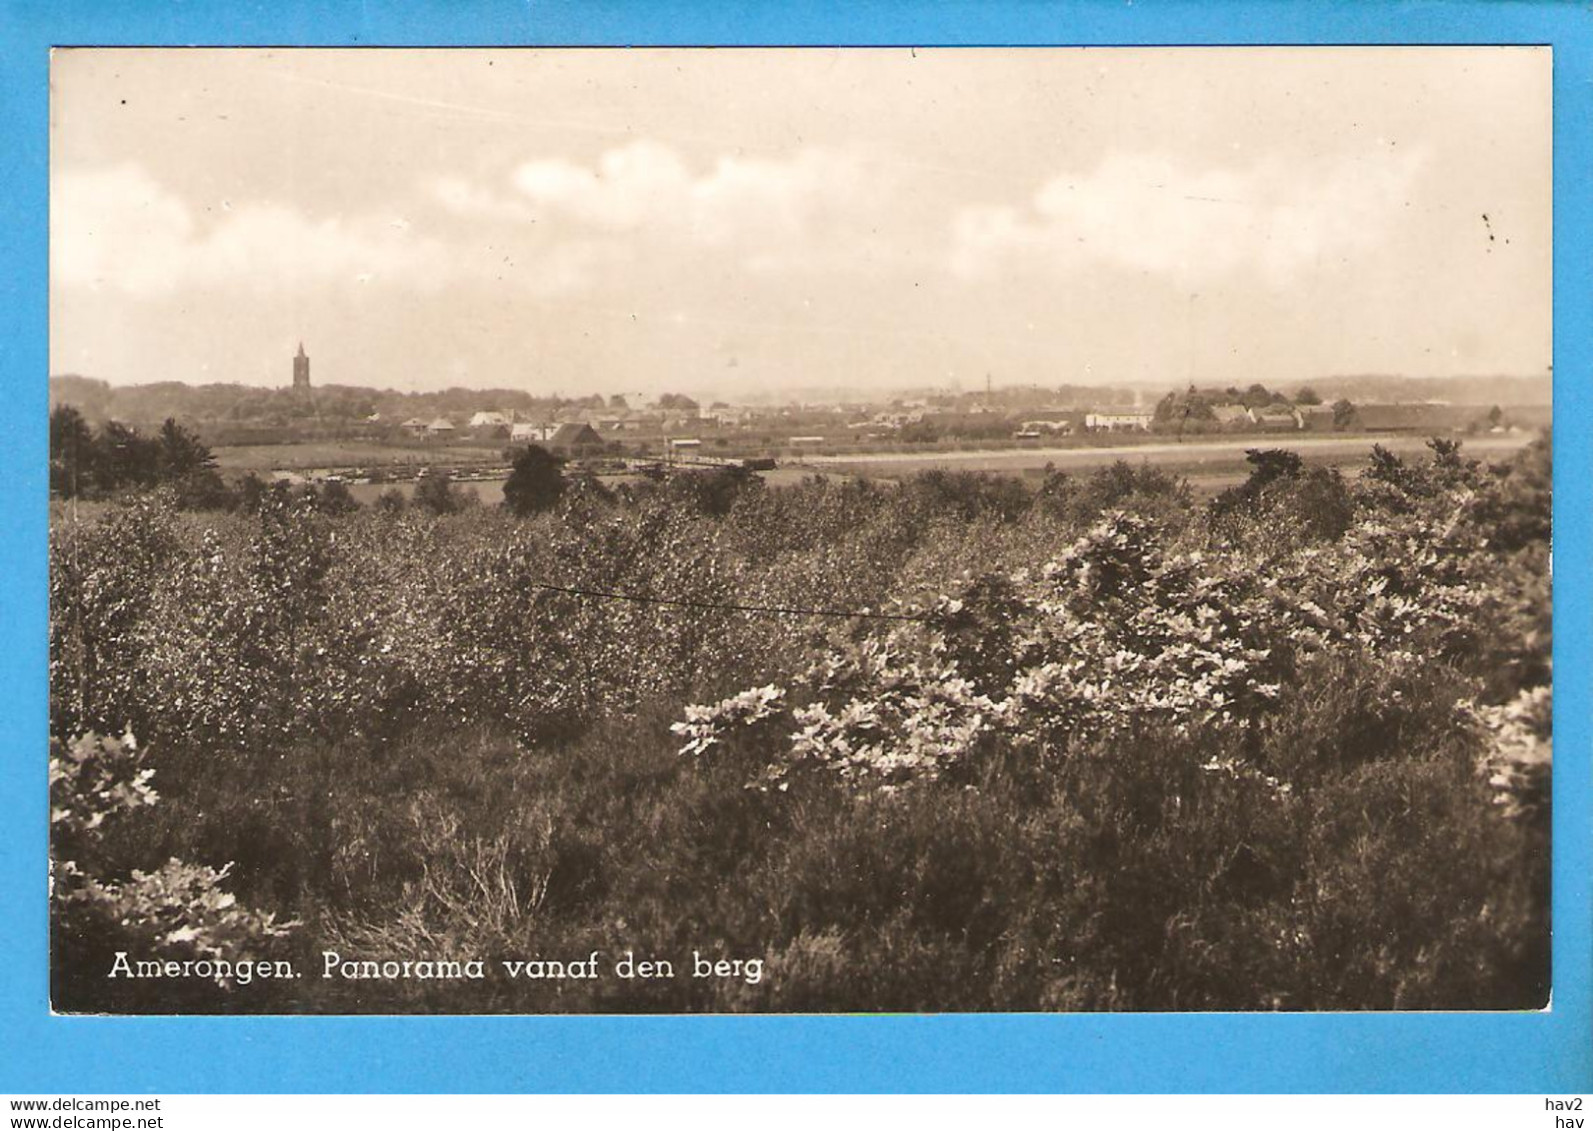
301	369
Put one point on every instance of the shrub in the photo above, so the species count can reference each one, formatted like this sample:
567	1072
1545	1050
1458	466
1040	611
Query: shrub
177	911
436	493
391	501
336	499
1100	760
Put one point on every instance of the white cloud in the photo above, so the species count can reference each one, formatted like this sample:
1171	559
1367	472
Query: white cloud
118	228
464	198
555	227
639	208
1148	214
648	186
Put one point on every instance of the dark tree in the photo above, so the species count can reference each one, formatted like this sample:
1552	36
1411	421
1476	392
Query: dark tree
535	483
1307	395
919	432
714	492
1144	490
1269	464
1386	467
1446	453
1257	396
1171	407
336	498
126	459
1344	416
184	461
436	493
72	452
250	492
1283	503
1177	411
967	494
181	452
204	490
1057	491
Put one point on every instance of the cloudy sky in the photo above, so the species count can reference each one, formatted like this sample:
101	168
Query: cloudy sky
724	222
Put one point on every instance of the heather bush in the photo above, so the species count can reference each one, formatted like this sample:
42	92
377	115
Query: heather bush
438	494
102	908
1146	491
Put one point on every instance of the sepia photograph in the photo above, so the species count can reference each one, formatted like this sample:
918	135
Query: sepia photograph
800	530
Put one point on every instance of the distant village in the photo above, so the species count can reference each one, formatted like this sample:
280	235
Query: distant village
583	430
674	425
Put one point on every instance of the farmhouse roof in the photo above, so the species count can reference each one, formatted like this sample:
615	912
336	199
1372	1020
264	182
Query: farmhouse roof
1415	417
575	435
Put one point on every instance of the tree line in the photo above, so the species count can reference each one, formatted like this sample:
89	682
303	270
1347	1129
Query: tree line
90	463
233	404
86	462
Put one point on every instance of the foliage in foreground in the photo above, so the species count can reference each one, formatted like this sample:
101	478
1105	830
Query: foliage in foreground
1288	752
176	911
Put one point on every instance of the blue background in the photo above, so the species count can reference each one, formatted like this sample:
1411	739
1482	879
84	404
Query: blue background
1548	1052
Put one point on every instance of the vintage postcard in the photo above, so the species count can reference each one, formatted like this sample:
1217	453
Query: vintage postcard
864	530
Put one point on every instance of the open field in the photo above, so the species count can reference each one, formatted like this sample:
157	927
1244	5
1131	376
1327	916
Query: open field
299	457
1208	464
